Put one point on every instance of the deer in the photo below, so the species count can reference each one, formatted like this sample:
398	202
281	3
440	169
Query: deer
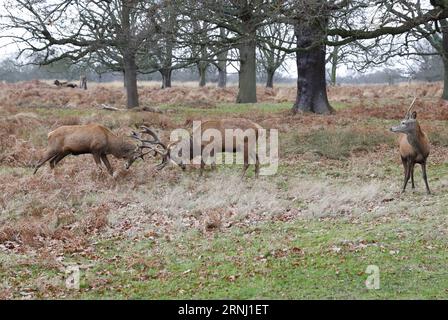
92	139
243	141
64	84
413	146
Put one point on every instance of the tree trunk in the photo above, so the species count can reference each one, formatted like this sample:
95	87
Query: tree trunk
247	86
311	82
334	65
222	78
444	27
130	72
270	78
202	69
222	63
445	79
166	77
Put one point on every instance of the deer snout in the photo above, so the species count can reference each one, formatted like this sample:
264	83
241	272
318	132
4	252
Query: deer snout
395	129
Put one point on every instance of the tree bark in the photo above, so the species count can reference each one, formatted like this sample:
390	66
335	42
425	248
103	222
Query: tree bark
130	76
334	65
166	77
222	63
247	92
311	81
444	55
222	77
445	79
202	69
270	78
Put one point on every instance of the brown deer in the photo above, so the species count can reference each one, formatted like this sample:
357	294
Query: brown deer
414	147
245	140
84	139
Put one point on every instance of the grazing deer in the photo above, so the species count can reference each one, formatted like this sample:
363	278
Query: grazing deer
414	146
245	140
91	138
64	84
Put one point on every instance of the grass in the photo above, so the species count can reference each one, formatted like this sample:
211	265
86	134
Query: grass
308	232
306	259
336	143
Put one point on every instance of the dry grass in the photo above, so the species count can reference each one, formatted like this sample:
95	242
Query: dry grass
43	94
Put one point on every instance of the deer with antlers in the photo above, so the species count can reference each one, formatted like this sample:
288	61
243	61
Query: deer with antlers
413	145
244	141
92	139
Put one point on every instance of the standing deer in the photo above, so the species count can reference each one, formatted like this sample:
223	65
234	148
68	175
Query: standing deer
248	146
84	139
413	145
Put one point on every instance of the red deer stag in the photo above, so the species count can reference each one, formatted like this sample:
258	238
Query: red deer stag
84	139
413	145
244	140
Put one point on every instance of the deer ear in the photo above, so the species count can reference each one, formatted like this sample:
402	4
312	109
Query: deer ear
414	115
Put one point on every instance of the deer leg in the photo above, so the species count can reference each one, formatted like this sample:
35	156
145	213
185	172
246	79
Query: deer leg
202	167
412	175
107	164
257	165
246	162
203	159
407	173
96	157
425	178
48	157
213	164
56	160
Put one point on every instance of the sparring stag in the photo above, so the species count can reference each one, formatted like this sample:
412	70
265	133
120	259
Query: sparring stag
92	139
245	137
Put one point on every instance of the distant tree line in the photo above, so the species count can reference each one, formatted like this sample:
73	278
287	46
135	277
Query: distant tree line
144	37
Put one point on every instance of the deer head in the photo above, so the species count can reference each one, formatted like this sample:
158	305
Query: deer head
409	123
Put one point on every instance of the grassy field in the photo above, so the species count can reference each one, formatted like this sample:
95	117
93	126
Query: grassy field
308	232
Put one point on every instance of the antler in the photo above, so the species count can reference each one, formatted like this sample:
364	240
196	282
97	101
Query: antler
152	134
150	144
410	107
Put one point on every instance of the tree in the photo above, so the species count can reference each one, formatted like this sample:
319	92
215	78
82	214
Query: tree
221	63
435	32
199	49
119	28
241	18
271	57
356	21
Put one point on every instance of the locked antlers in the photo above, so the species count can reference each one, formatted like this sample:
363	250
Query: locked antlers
153	145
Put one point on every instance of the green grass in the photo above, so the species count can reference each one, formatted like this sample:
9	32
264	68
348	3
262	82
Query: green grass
306	259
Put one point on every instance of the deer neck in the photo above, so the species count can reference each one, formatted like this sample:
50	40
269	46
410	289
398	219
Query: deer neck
115	147
415	139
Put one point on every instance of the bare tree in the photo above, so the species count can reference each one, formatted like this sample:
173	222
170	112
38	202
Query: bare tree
357	20
241	18
272	56
75	29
